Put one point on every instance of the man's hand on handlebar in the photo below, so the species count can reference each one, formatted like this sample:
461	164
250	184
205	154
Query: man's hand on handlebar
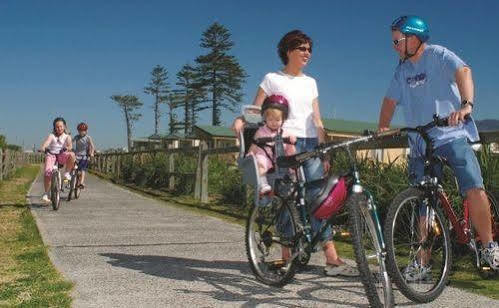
459	116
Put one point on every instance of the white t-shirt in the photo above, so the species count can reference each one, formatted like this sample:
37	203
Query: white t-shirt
57	143
300	92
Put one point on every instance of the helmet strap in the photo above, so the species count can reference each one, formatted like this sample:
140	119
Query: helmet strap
410	55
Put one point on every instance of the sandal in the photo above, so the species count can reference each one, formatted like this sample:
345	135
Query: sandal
277	265
340	270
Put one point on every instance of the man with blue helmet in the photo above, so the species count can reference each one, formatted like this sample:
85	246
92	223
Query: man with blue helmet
430	79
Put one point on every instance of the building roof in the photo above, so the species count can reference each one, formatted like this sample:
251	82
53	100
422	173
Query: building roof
216	131
346	126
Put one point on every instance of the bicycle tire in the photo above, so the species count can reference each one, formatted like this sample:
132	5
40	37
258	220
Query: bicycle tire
72	185
439	230
378	285
266	241
77	191
55	191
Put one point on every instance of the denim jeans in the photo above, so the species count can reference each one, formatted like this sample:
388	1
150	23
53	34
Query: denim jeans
313	171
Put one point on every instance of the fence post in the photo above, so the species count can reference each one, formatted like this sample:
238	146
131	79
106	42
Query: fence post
171	170
199	170
118	166
1	164
113	164
6	164
204	179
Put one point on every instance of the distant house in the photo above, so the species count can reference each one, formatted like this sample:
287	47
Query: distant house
341	130
215	136
166	141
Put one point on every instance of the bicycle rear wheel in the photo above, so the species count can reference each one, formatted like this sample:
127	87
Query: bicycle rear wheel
369	253
418	246
55	190
269	230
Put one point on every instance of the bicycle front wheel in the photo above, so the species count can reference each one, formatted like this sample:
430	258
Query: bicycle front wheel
418	246
55	190
72	185
271	233
369	253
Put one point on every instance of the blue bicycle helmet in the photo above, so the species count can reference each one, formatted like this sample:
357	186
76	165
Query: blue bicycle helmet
412	25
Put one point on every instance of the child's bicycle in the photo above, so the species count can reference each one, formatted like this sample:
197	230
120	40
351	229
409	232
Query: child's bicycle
417	231
56	184
75	183
284	222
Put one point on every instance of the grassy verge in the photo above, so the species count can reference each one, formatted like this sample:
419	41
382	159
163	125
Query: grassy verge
27	278
464	275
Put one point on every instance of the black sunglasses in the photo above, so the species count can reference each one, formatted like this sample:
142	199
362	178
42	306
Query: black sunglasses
396	42
301	48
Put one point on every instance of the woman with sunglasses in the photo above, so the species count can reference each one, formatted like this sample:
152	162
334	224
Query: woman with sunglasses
304	122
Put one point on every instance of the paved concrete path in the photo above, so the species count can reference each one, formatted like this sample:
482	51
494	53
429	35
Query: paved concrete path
125	250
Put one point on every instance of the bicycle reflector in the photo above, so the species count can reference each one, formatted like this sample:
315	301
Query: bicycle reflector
331	198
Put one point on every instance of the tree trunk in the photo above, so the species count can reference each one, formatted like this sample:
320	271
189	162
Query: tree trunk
156	115
128	129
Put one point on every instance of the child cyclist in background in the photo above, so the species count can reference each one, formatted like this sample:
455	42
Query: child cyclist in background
275	110
57	147
84	149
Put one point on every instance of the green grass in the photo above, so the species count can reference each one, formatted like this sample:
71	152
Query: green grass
466	277
27	277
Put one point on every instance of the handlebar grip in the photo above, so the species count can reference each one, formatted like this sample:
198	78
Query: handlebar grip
445	121
265	140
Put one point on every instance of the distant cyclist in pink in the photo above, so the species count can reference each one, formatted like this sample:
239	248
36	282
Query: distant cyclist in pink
275	110
57	147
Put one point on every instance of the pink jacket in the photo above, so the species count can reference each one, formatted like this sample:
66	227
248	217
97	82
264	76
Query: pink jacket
259	153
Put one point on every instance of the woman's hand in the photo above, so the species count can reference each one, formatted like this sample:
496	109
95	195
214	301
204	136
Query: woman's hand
237	126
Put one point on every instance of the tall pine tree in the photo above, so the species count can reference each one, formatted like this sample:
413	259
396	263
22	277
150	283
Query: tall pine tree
190	96
158	87
220	74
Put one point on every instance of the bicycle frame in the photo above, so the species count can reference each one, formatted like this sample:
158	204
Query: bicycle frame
355	186
463	232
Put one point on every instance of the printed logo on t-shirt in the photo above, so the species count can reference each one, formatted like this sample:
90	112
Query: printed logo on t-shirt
417	80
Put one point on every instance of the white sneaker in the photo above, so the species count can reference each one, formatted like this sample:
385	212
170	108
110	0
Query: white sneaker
67	176
45	198
416	272
490	255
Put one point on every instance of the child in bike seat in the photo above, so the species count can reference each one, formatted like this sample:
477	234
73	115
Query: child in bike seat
57	147
275	110
84	148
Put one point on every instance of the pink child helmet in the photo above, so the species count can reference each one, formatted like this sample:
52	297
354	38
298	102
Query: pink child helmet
277	102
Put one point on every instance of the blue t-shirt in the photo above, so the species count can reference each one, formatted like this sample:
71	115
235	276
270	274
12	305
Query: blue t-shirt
429	87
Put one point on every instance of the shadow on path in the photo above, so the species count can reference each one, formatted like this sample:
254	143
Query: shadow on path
230	287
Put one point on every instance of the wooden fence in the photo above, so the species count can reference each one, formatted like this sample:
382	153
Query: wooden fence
11	160
112	163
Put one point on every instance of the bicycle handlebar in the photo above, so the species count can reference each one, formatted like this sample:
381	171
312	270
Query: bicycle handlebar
324	149
264	140
47	151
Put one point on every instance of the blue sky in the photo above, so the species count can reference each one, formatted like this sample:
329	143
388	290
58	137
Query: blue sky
68	57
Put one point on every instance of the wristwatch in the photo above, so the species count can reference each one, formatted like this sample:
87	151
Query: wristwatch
467	102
